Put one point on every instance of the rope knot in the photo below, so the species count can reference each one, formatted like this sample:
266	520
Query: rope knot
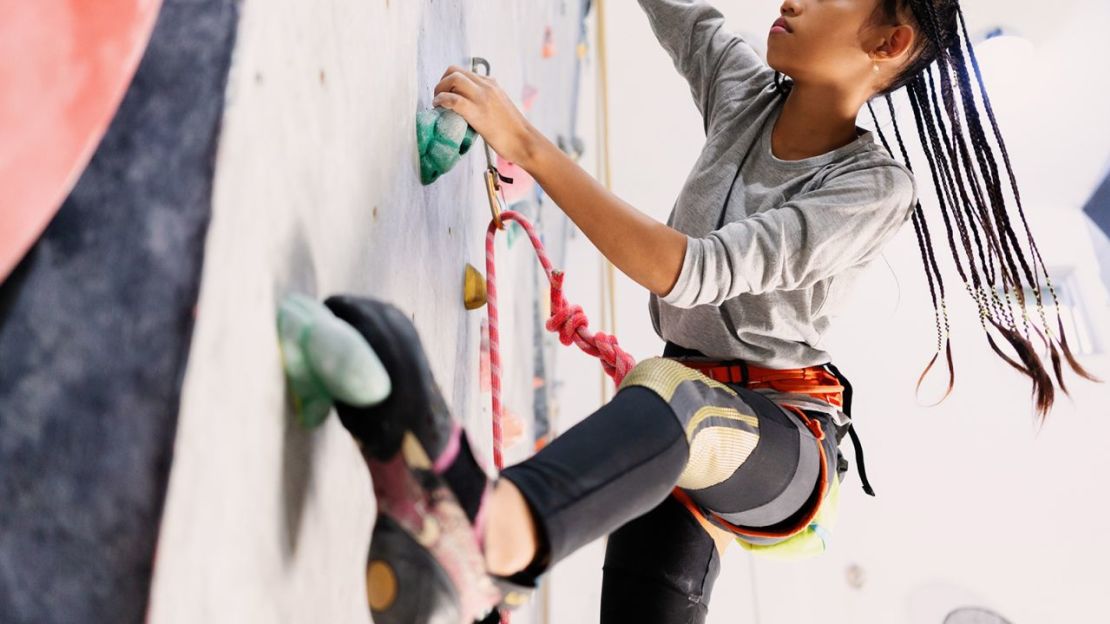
616	361
569	321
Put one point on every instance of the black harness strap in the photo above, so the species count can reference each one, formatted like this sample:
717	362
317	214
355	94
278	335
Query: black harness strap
856	444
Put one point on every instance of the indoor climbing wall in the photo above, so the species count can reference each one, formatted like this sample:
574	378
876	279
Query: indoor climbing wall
317	190
213	157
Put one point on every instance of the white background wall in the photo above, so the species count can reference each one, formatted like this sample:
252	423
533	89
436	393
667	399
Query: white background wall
974	506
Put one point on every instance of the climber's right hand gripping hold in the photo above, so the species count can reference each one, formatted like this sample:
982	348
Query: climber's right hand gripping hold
649	252
489	110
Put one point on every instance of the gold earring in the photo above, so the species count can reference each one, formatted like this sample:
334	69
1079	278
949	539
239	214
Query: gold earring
875	68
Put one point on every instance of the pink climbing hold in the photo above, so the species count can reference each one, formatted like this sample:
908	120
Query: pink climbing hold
528	97
548	43
522	182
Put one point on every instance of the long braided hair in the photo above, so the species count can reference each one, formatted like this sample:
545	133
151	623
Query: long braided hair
984	246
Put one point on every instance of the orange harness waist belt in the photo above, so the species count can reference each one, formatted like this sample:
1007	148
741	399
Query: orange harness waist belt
815	381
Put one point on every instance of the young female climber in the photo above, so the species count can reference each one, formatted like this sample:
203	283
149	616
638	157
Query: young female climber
742	415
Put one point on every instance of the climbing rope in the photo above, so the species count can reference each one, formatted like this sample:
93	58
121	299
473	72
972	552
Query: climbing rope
569	321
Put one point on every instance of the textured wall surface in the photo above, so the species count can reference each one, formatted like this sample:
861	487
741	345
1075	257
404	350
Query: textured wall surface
317	191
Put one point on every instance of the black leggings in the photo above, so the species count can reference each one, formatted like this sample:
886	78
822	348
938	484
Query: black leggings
613	473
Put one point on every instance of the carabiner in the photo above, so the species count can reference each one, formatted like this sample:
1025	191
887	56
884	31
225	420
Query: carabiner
492	175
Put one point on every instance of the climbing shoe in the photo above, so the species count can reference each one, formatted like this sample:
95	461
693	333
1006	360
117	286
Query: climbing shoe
425	563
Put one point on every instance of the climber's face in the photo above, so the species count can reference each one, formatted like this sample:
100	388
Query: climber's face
836	43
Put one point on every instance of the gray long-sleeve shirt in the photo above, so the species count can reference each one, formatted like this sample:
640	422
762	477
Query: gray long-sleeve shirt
773	246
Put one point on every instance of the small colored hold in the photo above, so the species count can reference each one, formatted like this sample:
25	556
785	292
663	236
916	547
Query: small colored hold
548	43
326	360
574	147
474	289
522	181
442	137
512	428
528	97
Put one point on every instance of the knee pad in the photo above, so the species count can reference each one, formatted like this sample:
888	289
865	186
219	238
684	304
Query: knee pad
721	428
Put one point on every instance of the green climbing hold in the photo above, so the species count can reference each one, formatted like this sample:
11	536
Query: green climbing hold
326	360
442	137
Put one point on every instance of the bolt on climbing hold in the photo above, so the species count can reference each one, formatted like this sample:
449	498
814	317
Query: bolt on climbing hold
474	289
326	360
442	137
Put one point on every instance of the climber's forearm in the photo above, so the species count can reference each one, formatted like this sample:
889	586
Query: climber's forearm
649	252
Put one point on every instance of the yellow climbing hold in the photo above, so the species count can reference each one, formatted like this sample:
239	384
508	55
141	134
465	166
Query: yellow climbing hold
381	585
474	289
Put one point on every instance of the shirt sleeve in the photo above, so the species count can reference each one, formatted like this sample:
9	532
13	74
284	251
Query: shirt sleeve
712	60
813	236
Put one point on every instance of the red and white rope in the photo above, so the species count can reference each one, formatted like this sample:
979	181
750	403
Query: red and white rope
568	321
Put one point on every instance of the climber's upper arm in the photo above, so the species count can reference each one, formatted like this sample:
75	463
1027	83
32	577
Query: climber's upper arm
713	60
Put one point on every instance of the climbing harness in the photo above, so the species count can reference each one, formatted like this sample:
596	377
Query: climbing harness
823	382
806	533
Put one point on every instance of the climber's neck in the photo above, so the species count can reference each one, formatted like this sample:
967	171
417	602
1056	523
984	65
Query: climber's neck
815	119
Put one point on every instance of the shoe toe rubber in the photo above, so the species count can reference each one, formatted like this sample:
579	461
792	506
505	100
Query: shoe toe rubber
415	402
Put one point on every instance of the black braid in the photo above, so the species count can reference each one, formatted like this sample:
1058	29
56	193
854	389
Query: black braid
987	259
949	145
950	57
966	175
989	167
928	260
1025	223
943	180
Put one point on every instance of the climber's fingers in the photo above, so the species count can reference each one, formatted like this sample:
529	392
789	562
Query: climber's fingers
475	76
455	102
450	70
460	82
487	108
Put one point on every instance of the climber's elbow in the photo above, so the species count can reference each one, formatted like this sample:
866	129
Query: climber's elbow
669	264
